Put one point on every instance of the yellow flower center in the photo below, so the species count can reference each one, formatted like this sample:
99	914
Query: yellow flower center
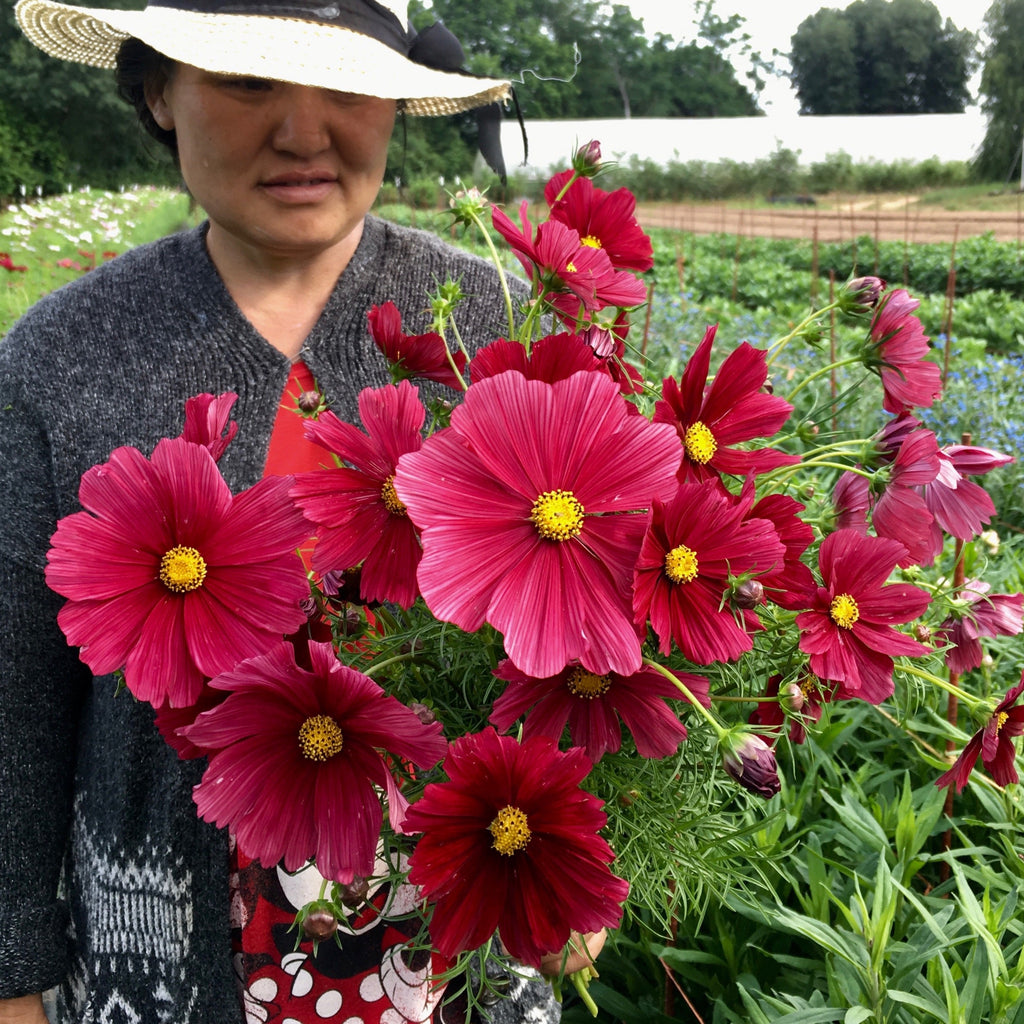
320	738
592	240
390	498
570	268
510	830
558	515
700	443
844	611
681	564
1001	720
182	569
586	684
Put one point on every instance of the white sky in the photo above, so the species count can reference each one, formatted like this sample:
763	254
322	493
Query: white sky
771	25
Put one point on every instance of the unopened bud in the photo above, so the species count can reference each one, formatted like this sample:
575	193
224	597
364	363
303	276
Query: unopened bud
353	894
747	594
319	922
309	401
587	161
861	295
792	698
991	541
750	762
423	713
922	634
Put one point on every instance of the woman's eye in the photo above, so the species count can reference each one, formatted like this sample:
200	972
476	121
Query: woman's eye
248	84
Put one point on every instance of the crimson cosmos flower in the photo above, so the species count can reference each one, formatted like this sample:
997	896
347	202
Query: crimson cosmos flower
790	584
848	631
712	421
604	220
359	517
295	760
527	510
897	349
978	613
694	543
170	576
993	743
592	705
557	260
510	843
414	355
801	702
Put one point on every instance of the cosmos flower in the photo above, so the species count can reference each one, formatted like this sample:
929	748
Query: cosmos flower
993	743
360	519
694	544
897	350
424	356
170	576
748	760
604	220
527	510
207	422
978	613
510	843
713	420
557	260
593	706
295	759
959	506
801	702
789	584
848	631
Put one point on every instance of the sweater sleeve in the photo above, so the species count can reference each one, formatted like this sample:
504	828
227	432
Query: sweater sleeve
41	680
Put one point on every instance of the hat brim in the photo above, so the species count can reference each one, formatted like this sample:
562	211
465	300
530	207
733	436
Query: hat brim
259	46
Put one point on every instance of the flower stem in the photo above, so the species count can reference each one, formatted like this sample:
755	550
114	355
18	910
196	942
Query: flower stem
774	350
496	259
821	373
943	684
686	692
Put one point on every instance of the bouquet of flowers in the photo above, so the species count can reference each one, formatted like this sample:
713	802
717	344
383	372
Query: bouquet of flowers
550	621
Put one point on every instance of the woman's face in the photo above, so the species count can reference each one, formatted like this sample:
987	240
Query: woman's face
281	170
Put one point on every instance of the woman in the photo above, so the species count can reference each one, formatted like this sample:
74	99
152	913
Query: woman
111	888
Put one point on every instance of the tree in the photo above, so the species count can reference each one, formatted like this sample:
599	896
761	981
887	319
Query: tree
1002	91
881	57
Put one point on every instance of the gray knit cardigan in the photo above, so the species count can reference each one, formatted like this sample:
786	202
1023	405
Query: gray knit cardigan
110	885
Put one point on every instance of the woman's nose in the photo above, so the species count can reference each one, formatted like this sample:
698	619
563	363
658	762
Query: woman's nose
302	128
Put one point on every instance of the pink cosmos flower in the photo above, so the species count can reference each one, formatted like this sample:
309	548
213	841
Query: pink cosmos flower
207	422
9	265
959	506
593	705
848	631
897	350
993	744
359	517
712	421
424	356
556	260
694	544
511	844
295	756
790	584
604	220
170	576
978	613
527	506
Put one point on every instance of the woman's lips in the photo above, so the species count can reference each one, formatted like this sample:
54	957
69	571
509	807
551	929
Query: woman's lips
300	188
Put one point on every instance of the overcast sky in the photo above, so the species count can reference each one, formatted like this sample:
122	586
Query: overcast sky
771	25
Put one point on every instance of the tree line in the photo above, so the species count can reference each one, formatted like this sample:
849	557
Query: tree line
62	123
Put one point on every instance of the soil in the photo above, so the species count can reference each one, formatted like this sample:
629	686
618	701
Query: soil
901	219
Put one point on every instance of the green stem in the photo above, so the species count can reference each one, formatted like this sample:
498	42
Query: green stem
374	669
821	373
942	684
496	259
685	691
581	981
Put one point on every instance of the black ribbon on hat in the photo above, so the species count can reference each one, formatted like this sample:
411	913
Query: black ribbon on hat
435	47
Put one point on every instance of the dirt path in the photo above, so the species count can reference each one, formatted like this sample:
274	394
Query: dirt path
886	220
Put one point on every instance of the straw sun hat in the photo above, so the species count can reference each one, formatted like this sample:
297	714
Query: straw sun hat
358	46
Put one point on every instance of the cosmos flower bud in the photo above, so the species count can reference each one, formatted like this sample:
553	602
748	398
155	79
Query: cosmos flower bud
309	401
861	295
749	761
353	895
991	541
587	161
922	634
792	698
319	922
467	205
747	594
423	713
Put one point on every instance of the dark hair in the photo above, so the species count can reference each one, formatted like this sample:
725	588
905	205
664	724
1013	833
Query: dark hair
139	66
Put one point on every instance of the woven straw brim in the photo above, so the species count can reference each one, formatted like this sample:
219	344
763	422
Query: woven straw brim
258	46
